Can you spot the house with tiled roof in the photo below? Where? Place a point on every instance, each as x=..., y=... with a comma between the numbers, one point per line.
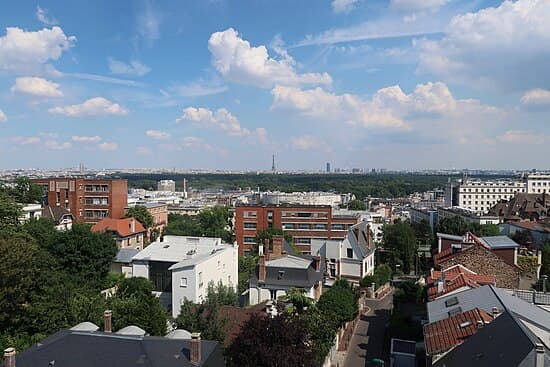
x=127, y=232
x=455, y=279
x=443, y=335
x=523, y=206
x=61, y=217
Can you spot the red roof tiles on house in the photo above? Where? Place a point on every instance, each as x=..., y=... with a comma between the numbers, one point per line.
x=122, y=226
x=443, y=335
x=455, y=277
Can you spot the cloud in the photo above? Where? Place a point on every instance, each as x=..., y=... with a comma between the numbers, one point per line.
x=107, y=146
x=320, y=104
x=26, y=140
x=343, y=6
x=523, y=137
x=198, y=89
x=55, y=145
x=104, y=79
x=192, y=142
x=3, y=117
x=536, y=98
x=415, y=5
x=236, y=60
x=133, y=68
x=37, y=87
x=22, y=50
x=86, y=139
x=504, y=46
x=261, y=134
x=221, y=119
x=42, y=15
x=143, y=151
x=156, y=134
x=148, y=22
x=97, y=106
x=387, y=27
x=304, y=142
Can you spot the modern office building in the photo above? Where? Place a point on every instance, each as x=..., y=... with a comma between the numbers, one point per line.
x=88, y=200
x=303, y=222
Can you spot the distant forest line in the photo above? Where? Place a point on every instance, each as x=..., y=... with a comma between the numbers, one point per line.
x=377, y=185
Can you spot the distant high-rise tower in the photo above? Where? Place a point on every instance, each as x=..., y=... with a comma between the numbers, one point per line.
x=273, y=163
x=328, y=167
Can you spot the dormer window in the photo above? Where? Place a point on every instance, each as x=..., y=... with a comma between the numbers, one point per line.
x=349, y=253
x=281, y=274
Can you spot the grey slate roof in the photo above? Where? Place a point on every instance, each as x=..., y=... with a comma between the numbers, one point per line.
x=505, y=342
x=55, y=213
x=97, y=349
x=498, y=242
x=125, y=255
x=283, y=276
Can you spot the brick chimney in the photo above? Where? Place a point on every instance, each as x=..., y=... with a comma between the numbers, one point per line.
x=9, y=357
x=369, y=237
x=195, y=348
x=278, y=246
x=132, y=225
x=107, y=321
x=318, y=261
x=261, y=264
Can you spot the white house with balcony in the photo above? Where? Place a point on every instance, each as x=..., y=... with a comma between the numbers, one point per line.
x=181, y=267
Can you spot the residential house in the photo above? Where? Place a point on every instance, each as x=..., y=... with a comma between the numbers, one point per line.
x=122, y=263
x=182, y=267
x=159, y=212
x=30, y=211
x=518, y=335
x=455, y=279
x=127, y=232
x=538, y=231
x=351, y=258
x=63, y=219
x=522, y=206
x=279, y=271
x=85, y=346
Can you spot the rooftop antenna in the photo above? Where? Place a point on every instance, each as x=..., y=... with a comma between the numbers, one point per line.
x=273, y=163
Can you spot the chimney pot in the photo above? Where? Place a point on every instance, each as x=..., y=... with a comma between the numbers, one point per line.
x=540, y=353
x=495, y=312
x=196, y=348
x=107, y=321
x=318, y=261
x=9, y=357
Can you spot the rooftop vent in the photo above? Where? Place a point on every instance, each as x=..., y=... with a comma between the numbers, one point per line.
x=465, y=324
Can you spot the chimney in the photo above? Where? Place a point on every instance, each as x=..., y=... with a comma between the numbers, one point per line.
x=369, y=237
x=318, y=261
x=132, y=225
x=196, y=348
x=107, y=321
x=261, y=264
x=539, y=358
x=9, y=357
x=278, y=246
x=495, y=312
x=480, y=324
x=266, y=248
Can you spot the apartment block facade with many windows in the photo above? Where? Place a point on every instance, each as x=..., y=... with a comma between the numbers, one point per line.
x=303, y=222
x=88, y=200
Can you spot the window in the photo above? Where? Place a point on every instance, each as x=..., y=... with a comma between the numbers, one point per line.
x=303, y=241
x=451, y=302
x=288, y=225
x=304, y=215
x=320, y=226
x=249, y=225
x=349, y=253
x=304, y=226
x=160, y=276
x=200, y=280
x=250, y=240
x=269, y=215
x=183, y=282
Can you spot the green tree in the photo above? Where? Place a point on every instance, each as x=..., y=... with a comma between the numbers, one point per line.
x=297, y=297
x=135, y=304
x=216, y=222
x=488, y=230
x=221, y=295
x=321, y=328
x=247, y=265
x=182, y=225
x=453, y=225
x=205, y=318
x=545, y=269
x=400, y=240
x=26, y=192
x=10, y=212
x=423, y=232
x=340, y=302
x=141, y=214
x=357, y=205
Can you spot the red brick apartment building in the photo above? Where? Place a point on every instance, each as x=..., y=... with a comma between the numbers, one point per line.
x=303, y=222
x=89, y=200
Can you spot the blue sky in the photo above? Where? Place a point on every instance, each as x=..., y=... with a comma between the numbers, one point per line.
x=222, y=84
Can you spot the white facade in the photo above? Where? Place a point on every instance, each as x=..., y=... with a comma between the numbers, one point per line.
x=31, y=211
x=537, y=183
x=305, y=198
x=480, y=196
x=190, y=264
x=166, y=185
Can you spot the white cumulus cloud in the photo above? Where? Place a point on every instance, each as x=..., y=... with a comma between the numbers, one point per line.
x=504, y=46
x=3, y=117
x=343, y=6
x=221, y=119
x=37, y=87
x=536, y=97
x=86, y=139
x=414, y=5
x=236, y=60
x=304, y=142
x=25, y=140
x=523, y=137
x=97, y=106
x=22, y=50
x=56, y=145
x=105, y=146
x=133, y=68
x=156, y=134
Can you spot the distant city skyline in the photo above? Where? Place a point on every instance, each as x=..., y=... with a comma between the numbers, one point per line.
x=225, y=85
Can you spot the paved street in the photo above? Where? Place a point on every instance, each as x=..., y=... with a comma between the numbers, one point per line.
x=368, y=340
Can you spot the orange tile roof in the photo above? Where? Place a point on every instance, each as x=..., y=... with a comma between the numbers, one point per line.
x=458, y=282
x=121, y=226
x=443, y=335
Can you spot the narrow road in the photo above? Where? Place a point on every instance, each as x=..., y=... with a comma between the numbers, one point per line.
x=368, y=340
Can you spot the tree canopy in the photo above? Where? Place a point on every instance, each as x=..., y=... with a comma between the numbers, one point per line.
x=211, y=222
x=400, y=240
x=357, y=205
x=141, y=214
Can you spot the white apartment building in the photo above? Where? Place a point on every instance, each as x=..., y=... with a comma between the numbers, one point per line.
x=181, y=268
x=166, y=185
x=480, y=196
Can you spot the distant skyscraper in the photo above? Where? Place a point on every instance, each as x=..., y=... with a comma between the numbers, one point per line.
x=328, y=167
x=273, y=163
